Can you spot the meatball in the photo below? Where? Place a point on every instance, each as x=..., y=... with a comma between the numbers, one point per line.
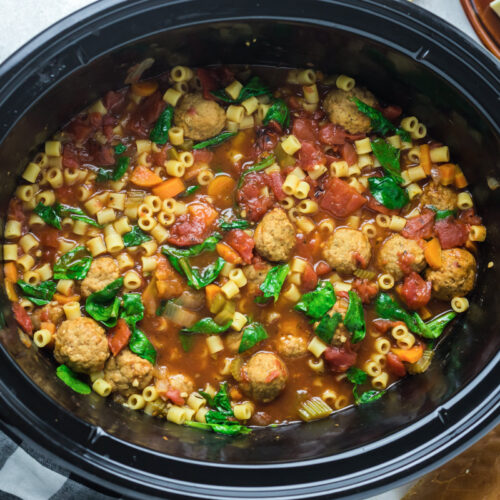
x=181, y=383
x=198, y=117
x=440, y=197
x=263, y=377
x=346, y=250
x=102, y=272
x=52, y=312
x=256, y=274
x=81, y=344
x=128, y=373
x=399, y=256
x=275, y=236
x=292, y=346
x=455, y=277
x=342, y=111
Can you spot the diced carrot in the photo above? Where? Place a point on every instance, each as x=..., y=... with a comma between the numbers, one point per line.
x=432, y=253
x=221, y=186
x=143, y=177
x=210, y=292
x=48, y=325
x=460, y=180
x=228, y=254
x=169, y=189
x=10, y=290
x=144, y=89
x=425, y=158
x=409, y=355
x=235, y=394
x=447, y=174
x=424, y=313
x=64, y=299
x=10, y=271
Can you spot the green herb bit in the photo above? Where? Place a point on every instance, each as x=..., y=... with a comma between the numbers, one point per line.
x=252, y=335
x=38, y=294
x=388, y=156
x=140, y=345
x=442, y=214
x=48, y=214
x=356, y=376
x=207, y=326
x=215, y=141
x=73, y=265
x=327, y=326
x=195, y=278
x=279, y=113
x=263, y=164
x=434, y=328
x=388, y=192
x=135, y=237
x=359, y=377
x=68, y=376
x=117, y=173
x=254, y=88
x=271, y=287
x=159, y=133
x=354, y=319
x=104, y=305
x=189, y=191
x=317, y=303
x=234, y=224
x=226, y=429
x=132, y=308
x=120, y=148
x=207, y=245
x=75, y=214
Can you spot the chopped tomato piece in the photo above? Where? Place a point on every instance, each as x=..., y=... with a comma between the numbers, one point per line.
x=374, y=205
x=251, y=199
x=322, y=268
x=310, y=155
x=305, y=129
x=341, y=199
x=118, y=336
x=451, y=233
x=66, y=194
x=15, y=210
x=469, y=217
x=395, y=365
x=193, y=227
x=242, y=243
x=207, y=81
x=275, y=181
x=331, y=134
x=22, y=318
x=366, y=289
x=175, y=396
x=340, y=359
x=203, y=155
x=420, y=226
x=102, y=155
x=416, y=292
x=349, y=153
x=309, y=278
x=70, y=156
x=114, y=100
x=383, y=325
x=392, y=112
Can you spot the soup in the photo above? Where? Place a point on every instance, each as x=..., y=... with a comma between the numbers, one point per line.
x=228, y=247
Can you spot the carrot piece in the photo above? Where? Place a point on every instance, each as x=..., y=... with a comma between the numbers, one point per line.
x=432, y=253
x=144, y=89
x=143, y=177
x=409, y=355
x=64, y=299
x=424, y=313
x=228, y=254
x=48, y=325
x=221, y=186
x=235, y=394
x=10, y=290
x=169, y=189
x=10, y=271
x=460, y=180
x=210, y=292
x=425, y=158
x=447, y=174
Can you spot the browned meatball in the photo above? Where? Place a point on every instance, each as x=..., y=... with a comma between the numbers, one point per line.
x=455, y=277
x=263, y=377
x=275, y=236
x=128, y=373
x=52, y=312
x=102, y=272
x=440, y=197
x=347, y=249
x=292, y=346
x=398, y=254
x=198, y=117
x=181, y=383
x=256, y=274
x=342, y=111
x=81, y=344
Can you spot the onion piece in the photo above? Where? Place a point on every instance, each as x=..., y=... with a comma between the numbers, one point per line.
x=179, y=315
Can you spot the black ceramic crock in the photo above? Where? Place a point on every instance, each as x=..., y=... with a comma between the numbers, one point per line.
x=404, y=55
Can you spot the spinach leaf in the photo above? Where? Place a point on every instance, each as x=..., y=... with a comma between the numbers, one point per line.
x=140, y=345
x=120, y=148
x=234, y=224
x=359, y=377
x=278, y=112
x=434, y=328
x=327, y=326
x=48, y=214
x=132, y=308
x=186, y=341
x=104, y=305
x=388, y=308
x=354, y=319
x=226, y=429
x=221, y=401
x=255, y=87
x=208, y=244
x=189, y=191
x=387, y=192
x=75, y=214
x=379, y=123
x=263, y=164
x=442, y=214
x=73, y=265
x=388, y=156
x=271, y=287
x=252, y=335
x=38, y=294
x=317, y=303
x=117, y=173
x=215, y=141
x=159, y=133
x=207, y=326
x=68, y=376
x=135, y=237
x=356, y=376
x=195, y=278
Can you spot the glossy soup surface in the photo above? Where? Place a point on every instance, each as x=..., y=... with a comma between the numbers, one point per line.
x=333, y=231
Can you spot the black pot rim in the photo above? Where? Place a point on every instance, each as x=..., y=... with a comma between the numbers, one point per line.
x=453, y=426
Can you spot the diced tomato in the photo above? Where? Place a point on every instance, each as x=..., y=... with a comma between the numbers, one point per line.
x=275, y=182
x=118, y=336
x=266, y=139
x=49, y=237
x=242, y=243
x=208, y=83
x=146, y=114
x=160, y=157
x=22, y=318
x=167, y=282
x=420, y=226
x=392, y=112
x=309, y=278
x=202, y=155
x=383, y=325
x=193, y=227
x=416, y=292
x=331, y=134
x=80, y=129
x=251, y=199
x=395, y=365
x=95, y=119
x=66, y=194
x=15, y=210
x=451, y=233
x=305, y=129
x=114, y=100
x=175, y=396
x=366, y=289
x=102, y=155
x=341, y=199
x=349, y=153
x=293, y=103
x=469, y=217
x=310, y=155
x=340, y=359
x=322, y=268
x=108, y=124
x=70, y=156
x=374, y=205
